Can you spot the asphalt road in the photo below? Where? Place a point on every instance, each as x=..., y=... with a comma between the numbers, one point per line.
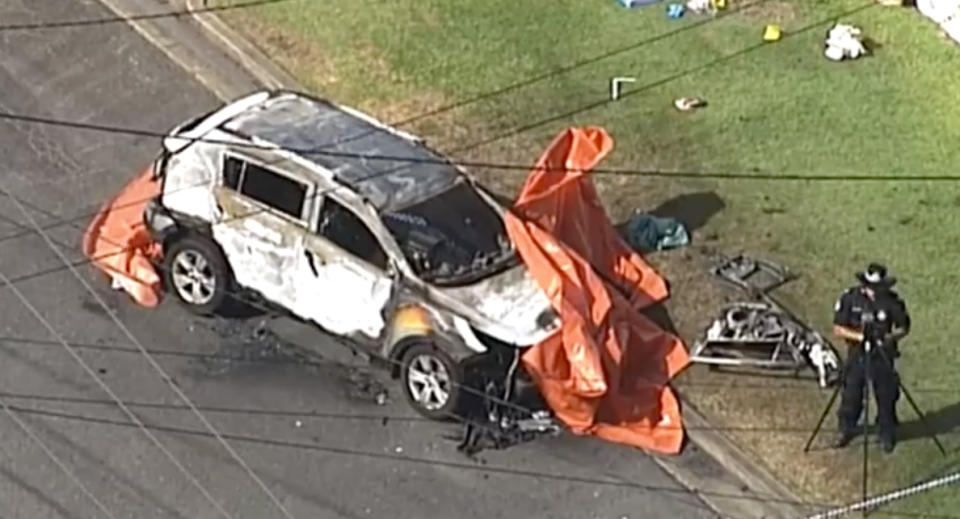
x=308, y=425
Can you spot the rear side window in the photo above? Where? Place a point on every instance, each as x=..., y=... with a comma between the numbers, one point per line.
x=265, y=186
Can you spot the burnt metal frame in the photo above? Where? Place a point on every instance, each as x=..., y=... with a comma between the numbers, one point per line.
x=743, y=268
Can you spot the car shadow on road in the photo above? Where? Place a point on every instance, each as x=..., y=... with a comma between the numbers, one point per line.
x=235, y=308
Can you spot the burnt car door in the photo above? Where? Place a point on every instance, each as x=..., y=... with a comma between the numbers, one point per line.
x=263, y=213
x=343, y=279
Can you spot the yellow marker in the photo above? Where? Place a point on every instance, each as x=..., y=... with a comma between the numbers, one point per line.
x=719, y=4
x=771, y=33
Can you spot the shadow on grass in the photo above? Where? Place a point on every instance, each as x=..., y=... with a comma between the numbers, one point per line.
x=693, y=210
x=941, y=421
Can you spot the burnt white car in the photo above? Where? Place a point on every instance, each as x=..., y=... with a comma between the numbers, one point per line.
x=342, y=221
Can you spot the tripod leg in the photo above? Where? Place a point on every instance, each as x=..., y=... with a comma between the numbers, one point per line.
x=866, y=430
x=923, y=418
x=823, y=416
x=916, y=409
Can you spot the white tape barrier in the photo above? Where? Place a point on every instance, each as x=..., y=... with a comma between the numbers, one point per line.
x=887, y=498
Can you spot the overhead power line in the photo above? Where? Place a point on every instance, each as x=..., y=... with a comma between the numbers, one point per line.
x=320, y=151
x=782, y=384
x=60, y=463
x=565, y=69
x=629, y=92
x=156, y=366
x=484, y=468
x=322, y=415
x=136, y=421
x=36, y=26
x=466, y=388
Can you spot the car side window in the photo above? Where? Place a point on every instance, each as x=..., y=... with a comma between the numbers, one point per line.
x=265, y=186
x=339, y=225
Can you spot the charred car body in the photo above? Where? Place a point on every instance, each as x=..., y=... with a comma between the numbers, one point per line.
x=342, y=221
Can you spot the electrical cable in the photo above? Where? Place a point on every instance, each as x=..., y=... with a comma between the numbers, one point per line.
x=163, y=374
x=326, y=415
x=134, y=18
x=258, y=211
x=649, y=86
x=62, y=465
x=482, y=468
x=657, y=173
x=106, y=388
x=425, y=115
x=248, y=302
x=563, y=69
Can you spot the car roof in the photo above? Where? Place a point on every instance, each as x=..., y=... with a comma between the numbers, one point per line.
x=341, y=140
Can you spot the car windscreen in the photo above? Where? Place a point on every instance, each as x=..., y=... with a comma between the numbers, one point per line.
x=453, y=237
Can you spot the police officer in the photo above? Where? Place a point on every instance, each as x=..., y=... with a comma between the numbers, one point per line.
x=871, y=318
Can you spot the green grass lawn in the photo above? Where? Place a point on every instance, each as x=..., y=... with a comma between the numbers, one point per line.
x=778, y=108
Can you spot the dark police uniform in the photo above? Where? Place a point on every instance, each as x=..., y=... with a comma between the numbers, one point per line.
x=887, y=310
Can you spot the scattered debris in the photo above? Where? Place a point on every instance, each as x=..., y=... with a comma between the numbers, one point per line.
x=298, y=424
x=248, y=342
x=758, y=334
x=365, y=385
x=615, y=85
x=685, y=104
x=844, y=41
x=762, y=333
x=398, y=450
x=636, y=3
x=648, y=233
x=772, y=33
x=505, y=416
x=675, y=10
x=702, y=6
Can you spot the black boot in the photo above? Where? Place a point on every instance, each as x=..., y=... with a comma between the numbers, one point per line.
x=887, y=444
x=843, y=439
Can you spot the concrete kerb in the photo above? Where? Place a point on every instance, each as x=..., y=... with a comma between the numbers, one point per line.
x=757, y=479
x=759, y=486
x=252, y=58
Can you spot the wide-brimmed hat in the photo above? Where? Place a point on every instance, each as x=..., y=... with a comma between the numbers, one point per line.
x=876, y=276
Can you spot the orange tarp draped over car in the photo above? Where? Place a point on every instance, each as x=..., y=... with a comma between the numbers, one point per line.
x=606, y=371
x=118, y=243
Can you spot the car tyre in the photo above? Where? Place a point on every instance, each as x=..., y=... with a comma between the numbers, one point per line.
x=432, y=381
x=197, y=273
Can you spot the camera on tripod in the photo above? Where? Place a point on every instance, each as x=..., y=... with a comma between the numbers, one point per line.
x=876, y=327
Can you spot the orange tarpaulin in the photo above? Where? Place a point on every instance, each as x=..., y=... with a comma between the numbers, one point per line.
x=605, y=372
x=118, y=243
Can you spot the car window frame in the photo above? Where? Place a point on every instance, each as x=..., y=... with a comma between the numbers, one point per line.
x=309, y=195
x=388, y=270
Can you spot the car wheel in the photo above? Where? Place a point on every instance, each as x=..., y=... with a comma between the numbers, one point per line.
x=432, y=381
x=197, y=273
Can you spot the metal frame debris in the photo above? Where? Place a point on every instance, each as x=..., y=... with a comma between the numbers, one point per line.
x=762, y=333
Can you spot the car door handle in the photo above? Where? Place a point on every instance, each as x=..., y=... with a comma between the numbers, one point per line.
x=310, y=261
